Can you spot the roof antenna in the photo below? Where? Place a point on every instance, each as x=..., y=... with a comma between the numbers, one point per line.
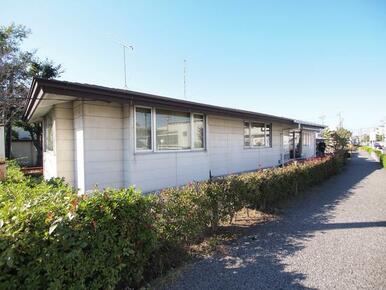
x=124, y=46
x=340, y=124
x=322, y=118
x=185, y=79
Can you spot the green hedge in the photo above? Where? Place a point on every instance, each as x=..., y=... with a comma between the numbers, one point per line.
x=52, y=238
x=382, y=159
x=381, y=156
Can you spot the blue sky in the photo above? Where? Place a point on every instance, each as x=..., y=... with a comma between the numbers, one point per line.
x=300, y=59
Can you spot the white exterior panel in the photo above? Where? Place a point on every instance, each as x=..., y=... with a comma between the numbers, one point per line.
x=60, y=161
x=95, y=146
x=103, y=144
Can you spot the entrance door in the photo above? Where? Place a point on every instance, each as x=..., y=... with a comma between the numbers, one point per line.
x=295, y=144
x=285, y=146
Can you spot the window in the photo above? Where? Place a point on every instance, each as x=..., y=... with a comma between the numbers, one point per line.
x=143, y=129
x=172, y=130
x=257, y=134
x=268, y=135
x=307, y=139
x=198, y=131
x=246, y=135
x=48, y=133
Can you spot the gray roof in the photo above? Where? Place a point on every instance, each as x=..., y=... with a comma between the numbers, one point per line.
x=101, y=93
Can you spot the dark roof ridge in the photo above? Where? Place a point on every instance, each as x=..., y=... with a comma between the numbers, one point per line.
x=83, y=90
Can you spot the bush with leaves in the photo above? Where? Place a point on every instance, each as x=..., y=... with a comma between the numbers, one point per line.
x=380, y=155
x=50, y=237
x=383, y=160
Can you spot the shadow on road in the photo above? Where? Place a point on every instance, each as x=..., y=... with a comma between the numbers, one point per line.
x=255, y=261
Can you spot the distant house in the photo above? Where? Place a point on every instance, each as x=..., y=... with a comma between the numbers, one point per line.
x=23, y=149
x=108, y=137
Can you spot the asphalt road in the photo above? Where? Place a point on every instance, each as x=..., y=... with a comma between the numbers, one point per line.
x=335, y=238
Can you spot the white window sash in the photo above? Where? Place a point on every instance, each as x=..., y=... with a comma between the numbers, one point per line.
x=265, y=135
x=153, y=130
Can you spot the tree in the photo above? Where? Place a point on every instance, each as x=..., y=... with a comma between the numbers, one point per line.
x=336, y=140
x=14, y=65
x=340, y=139
x=17, y=68
x=43, y=69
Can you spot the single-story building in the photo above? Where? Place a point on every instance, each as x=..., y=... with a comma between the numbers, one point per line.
x=105, y=137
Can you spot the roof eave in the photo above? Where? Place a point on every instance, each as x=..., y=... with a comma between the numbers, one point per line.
x=115, y=95
x=85, y=91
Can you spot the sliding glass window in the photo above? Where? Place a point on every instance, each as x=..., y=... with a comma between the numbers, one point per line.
x=268, y=135
x=198, y=131
x=257, y=134
x=48, y=133
x=173, y=130
x=143, y=128
x=247, y=134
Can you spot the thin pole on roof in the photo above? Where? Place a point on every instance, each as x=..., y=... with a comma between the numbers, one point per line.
x=340, y=124
x=185, y=79
x=124, y=64
x=124, y=46
x=322, y=118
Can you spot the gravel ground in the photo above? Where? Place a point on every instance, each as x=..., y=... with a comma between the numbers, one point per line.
x=335, y=238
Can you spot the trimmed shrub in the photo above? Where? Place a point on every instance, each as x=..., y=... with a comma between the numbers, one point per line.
x=52, y=238
x=382, y=159
x=381, y=156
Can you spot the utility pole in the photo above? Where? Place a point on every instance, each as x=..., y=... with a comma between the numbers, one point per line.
x=322, y=118
x=340, y=124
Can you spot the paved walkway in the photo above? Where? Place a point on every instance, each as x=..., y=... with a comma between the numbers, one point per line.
x=333, y=239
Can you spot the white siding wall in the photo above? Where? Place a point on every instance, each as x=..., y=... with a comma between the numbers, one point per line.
x=78, y=123
x=94, y=145
x=309, y=151
x=127, y=135
x=226, y=147
x=103, y=144
x=60, y=161
x=152, y=171
x=225, y=154
x=64, y=137
x=49, y=157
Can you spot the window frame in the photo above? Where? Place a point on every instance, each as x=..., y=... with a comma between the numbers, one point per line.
x=155, y=132
x=306, y=139
x=153, y=129
x=250, y=135
x=45, y=127
x=192, y=138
